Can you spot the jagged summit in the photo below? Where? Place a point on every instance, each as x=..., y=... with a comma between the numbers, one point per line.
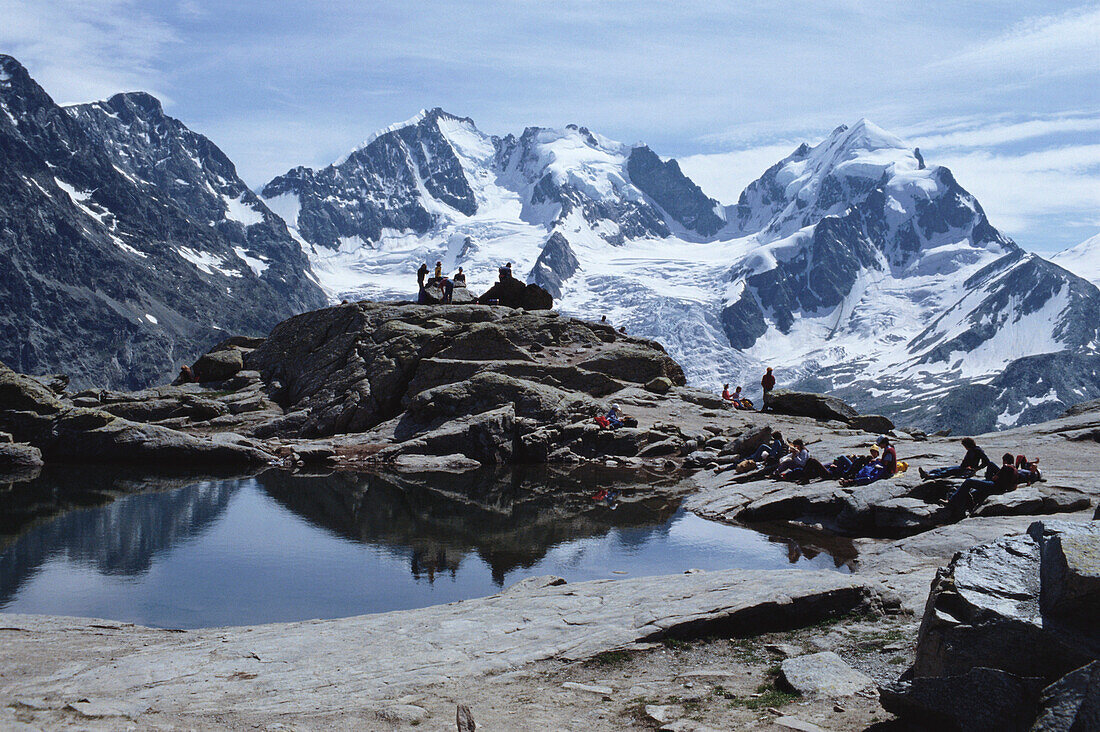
x=114, y=267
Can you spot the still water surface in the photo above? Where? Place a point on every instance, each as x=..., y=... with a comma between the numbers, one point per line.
x=187, y=553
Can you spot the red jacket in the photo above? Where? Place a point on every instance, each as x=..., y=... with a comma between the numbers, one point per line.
x=768, y=382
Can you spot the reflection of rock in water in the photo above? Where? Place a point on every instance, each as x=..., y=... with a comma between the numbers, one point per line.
x=806, y=543
x=119, y=538
x=508, y=518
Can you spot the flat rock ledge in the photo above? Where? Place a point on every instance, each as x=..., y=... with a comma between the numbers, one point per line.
x=296, y=668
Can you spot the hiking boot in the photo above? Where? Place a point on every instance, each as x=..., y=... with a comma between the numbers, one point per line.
x=923, y=473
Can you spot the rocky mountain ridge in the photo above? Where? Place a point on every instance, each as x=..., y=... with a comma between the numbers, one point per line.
x=105, y=275
x=852, y=266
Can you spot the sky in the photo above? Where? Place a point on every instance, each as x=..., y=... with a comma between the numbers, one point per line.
x=1006, y=93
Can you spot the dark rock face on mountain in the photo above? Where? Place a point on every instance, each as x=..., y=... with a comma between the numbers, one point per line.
x=820, y=276
x=674, y=192
x=198, y=177
x=556, y=264
x=105, y=277
x=380, y=186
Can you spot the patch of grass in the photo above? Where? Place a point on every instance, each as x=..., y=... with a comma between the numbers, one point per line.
x=610, y=658
x=749, y=650
x=675, y=644
x=767, y=695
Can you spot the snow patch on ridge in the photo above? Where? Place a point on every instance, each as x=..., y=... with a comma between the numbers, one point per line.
x=206, y=262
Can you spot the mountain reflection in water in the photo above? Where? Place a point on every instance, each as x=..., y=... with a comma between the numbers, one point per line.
x=193, y=552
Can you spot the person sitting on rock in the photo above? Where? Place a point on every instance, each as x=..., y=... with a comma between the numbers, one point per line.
x=734, y=398
x=974, y=491
x=438, y=271
x=974, y=460
x=883, y=467
x=186, y=376
x=848, y=466
x=505, y=272
x=615, y=417
x=421, y=275
x=771, y=452
x=460, y=278
x=795, y=460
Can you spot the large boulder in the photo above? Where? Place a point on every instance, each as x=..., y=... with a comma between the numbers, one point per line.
x=635, y=362
x=1023, y=609
x=510, y=292
x=823, y=675
x=979, y=700
x=219, y=365
x=1070, y=569
x=873, y=423
x=1071, y=704
x=807, y=404
x=17, y=459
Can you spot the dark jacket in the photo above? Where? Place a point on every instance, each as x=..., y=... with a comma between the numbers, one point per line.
x=976, y=460
x=1005, y=480
x=768, y=382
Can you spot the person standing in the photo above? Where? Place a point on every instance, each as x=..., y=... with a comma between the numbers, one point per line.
x=448, y=290
x=767, y=383
x=438, y=271
x=421, y=274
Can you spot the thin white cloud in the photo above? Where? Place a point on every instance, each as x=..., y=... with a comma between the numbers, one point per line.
x=985, y=135
x=83, y=50
x=1043, y=46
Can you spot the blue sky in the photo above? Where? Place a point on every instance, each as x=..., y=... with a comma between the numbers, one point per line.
x=1007, y=94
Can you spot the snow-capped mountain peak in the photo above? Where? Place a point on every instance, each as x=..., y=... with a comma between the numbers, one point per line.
x=1083, y=259
x=850, y=262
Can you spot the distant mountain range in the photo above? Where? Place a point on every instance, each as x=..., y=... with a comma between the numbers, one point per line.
x=849, y=266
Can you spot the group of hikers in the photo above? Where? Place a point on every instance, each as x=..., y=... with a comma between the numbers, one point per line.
x=740, y=400
x=791, y=461
x=445, y=284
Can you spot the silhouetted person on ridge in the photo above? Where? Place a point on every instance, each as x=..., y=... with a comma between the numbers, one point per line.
x=460, y=277
x=421, y=274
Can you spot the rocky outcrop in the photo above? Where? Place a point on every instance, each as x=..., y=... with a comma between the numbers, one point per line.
x=1003, y=620
x=806, y=404
x=67, y=433
x=510, y=292
x=489, y=383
